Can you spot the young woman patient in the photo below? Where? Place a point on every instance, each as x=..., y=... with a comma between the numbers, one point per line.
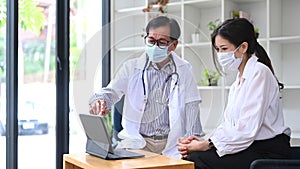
x=253, y=125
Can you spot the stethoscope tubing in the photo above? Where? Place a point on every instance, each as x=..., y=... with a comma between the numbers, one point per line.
x=166, y=80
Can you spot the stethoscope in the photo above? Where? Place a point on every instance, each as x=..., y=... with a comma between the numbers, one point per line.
x=166, y=80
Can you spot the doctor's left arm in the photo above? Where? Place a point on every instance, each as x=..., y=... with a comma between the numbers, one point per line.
x=192, y=102
x=192, y=119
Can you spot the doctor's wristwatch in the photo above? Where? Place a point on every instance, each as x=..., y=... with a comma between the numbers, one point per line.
x=211, y=144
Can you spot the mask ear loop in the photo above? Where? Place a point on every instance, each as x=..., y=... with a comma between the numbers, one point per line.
x=236, y=50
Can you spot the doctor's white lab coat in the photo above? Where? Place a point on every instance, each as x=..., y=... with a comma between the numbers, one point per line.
x=129, y=82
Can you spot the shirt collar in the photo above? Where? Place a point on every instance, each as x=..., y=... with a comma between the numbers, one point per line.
x=248, y=70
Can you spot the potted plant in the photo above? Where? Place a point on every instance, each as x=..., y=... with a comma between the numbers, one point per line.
x=162, y=6
x=212, y=25
x=210, y=78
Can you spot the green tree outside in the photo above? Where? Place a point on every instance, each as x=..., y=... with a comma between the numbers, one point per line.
x=31, y=18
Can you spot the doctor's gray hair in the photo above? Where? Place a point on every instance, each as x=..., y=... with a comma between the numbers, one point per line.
x=163, y=21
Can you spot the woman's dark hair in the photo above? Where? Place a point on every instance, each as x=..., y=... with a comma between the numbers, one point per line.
x=240, y=30
x=163, y=21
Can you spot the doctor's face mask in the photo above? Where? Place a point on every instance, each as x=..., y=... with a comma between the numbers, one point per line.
x=158, y=43
x=157, y=54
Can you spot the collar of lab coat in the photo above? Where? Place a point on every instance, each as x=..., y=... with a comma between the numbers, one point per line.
x=248, y=70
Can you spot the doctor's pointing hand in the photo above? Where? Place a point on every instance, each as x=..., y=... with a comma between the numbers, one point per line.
x=98, y=107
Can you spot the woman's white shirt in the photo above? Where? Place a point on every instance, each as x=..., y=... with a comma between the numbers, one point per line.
x=253, y=111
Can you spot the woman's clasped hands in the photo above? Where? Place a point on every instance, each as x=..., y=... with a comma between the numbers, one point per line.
x=187, y=145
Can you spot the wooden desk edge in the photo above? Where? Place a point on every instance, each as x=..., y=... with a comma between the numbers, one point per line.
x=83, y=161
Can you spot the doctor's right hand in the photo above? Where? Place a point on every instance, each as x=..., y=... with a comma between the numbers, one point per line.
x=99, y=107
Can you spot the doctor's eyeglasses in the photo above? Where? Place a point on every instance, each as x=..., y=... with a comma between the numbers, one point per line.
x=161, y=43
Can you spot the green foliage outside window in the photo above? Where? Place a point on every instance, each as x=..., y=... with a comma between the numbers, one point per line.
x=34, y=56
x=31, y=18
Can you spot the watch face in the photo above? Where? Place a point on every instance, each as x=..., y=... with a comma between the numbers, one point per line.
x=210, y=143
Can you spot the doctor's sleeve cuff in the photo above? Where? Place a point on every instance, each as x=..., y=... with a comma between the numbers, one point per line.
x=97, y=96
x=94, y=98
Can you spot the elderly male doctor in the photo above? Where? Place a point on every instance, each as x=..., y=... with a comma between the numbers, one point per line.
x=161, y=97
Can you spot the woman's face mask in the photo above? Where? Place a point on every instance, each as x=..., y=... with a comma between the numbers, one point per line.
x=228, y=61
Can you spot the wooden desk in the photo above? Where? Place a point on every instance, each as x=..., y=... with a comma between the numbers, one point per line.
x=151, y=160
